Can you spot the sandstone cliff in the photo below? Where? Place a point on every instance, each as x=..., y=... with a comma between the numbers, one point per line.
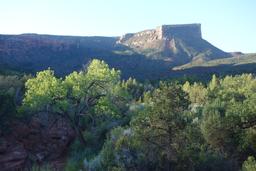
x=176, y=43
x=44, y=138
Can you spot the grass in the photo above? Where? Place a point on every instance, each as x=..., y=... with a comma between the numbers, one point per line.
x=237, y=60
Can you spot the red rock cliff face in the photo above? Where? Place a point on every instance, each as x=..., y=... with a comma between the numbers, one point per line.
x=13, y=155
x=179, y=44
x=43, y=139
x=180, y=30
x=153, y=38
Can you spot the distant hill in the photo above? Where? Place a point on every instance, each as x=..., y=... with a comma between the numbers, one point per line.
x=31, y=53
x=241, y=59
x=148, y=54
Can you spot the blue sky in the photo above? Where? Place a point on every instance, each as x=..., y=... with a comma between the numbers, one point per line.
x=228, y=24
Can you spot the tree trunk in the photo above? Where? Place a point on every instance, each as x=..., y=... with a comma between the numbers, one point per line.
x=80, y=135
x=75, y=126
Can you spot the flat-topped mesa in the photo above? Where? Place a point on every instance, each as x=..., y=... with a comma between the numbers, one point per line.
x=178, y=43
x=164, y=32
x=179, y=30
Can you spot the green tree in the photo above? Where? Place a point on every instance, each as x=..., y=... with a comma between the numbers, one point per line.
x=214, y=83
x=197, y=92
x=7, y=111
x=229, y=115
x=45, y=92
x=11, y=92
x=249, y=164
x=134, y=88
x=75, y=96
x=160, y=126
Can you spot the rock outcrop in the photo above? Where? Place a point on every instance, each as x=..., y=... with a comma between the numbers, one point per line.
x=180, y=30
x=176, y=43
x=165, y=32
x=44, y=139
x=13, y=155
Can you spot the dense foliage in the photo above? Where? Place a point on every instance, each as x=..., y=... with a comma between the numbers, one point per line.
x=128, y=125
x=11, y=93
x=187, y=127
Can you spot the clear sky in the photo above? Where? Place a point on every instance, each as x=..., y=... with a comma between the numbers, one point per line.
x=227, y=24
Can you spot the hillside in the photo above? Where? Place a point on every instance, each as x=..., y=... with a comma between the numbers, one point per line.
x=243, y=59
x=148, y=54
x=31, y=53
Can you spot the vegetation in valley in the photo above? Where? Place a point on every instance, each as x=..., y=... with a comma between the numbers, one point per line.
x=131, y=125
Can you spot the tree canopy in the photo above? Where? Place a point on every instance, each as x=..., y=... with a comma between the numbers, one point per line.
x=74, y=96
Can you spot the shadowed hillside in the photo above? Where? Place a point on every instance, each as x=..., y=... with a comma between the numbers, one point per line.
x=241, y=59
x=148, y=54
